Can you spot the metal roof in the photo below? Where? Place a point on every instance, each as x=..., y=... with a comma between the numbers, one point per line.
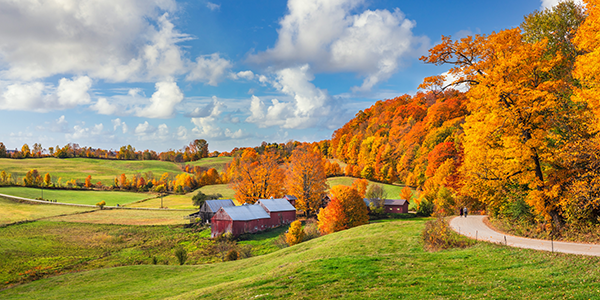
x=275, y=205
x=290, y=197
x=246, y=212
x=214, y=205
x=395, y=201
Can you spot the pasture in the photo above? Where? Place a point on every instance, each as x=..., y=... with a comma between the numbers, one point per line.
x=127, y=217
x=212, y=162
x=112, y=198
x=102, y=170
x=377, y=261
x=13, y=211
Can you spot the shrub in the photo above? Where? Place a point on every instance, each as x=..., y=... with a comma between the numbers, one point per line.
x=181, y=255
x=437, y=235
x=425, y=208
x=295, y=234
x=232, y=255
x=101, y=204
x=311, y=230
x=244, y=251
x=154, y=260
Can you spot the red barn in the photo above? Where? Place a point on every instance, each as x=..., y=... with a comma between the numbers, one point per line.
x=291, y=199
x=396, y=206
x=239, y=220
x=280, y=210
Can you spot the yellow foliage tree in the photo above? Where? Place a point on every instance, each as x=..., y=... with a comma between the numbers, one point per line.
x=295, y=234
x=257, y=176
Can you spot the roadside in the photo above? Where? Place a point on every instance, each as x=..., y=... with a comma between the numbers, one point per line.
x=475, y=228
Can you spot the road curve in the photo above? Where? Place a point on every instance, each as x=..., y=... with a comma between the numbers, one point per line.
x=474, y=227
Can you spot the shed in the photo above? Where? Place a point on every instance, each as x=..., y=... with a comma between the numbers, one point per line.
x=210, y=207
x=396, y=206
x=239, y=219
x=291, y=199
x=280, y=211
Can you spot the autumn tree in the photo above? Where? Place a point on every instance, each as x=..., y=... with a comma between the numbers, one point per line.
x=306, y=179
x=587, y=41
x=257, y=176
x=295, y=234
x=2, y=150
x=376, y=195
x=346, y=210
x=88, y=182
x=360, y=185
x=25, y=151
x=32, y=178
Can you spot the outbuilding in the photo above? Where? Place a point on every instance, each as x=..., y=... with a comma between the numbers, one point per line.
x=239, y=220
x=291, y=199
x=280, y=211
x=210, y=207
x=396, y=206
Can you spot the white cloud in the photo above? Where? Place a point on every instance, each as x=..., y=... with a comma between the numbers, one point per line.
x=81, y=132
x=213, y=6
x=118, y=123
x=330, y=38
x=209, y=68
x=103, y=107
x=248, y=75
x=309, y=106
x=41, y=97
x=212, y=108
x=144, y=129
x=206, y=126
x=24, y=96
x=163, y=101
x=73, y=92
x=551, y=3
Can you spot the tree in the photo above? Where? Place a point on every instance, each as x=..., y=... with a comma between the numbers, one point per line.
x=32, y=178
x=346, y=210
x=2, y=150
x=587, y=41
x=199, y=149
x=295, y=234
x=306, y=179
x=257, y=176
x=47, y=179
x=360, y=185
x=25, y=151
x=376, y=195
x=88, y=182
x=123, y=181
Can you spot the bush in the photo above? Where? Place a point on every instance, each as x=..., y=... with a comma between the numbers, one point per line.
x=244, y=251
x=181, y=255
x=437, y=235
x=295, y=234
x=232, y=255
x=101, y=204
x=311, y=230
x=425, y=208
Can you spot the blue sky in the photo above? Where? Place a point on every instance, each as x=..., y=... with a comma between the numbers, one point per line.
x=158, y=74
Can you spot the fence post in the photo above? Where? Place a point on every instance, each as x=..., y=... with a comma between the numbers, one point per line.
x=552, y=241
x=476, y=235
x=505, y=242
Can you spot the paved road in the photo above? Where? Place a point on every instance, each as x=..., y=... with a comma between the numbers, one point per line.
x=473, y=227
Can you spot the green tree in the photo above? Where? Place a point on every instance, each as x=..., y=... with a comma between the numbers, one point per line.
x=2, y=150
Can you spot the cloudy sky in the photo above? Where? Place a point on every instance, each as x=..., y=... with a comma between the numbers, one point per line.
x=157, y=74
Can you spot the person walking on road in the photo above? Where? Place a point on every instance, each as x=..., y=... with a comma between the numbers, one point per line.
x=465, y=211
x=461, y=212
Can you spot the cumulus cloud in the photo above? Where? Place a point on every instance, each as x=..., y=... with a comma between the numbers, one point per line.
x=551, y=3
x=248, y=75
x=118, y=123
x=212, y=108
x=103, y=107
x=206, y=125
x=326, y=35
x=213, y=6
x=163, y=101
x=42, y=97
x=209, y=68
x=310, y=105
x=144, y=129
x=81, y=132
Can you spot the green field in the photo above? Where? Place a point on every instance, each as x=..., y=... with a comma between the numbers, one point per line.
x=77, y=197
x=127, y=217
x=213, y=162
x=378, y=261
x=393, y=191
x=79, y=168
x=12, y=211
x=169, y=201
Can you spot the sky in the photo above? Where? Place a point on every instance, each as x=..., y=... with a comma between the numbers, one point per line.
x=157, y=74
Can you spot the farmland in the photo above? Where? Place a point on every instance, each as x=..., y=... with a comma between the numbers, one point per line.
x=14, y=212
x=381, y=260
x=212, y=162
x=111, y=198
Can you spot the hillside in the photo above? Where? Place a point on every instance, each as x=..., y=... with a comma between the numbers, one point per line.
x=382, y=260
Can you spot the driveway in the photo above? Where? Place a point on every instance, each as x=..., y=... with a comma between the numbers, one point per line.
x=474, y=227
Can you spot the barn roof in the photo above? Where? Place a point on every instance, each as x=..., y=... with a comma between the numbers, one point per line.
x=395, y=201
x=275, y=205
x=214, y=205
x=246, y=212
x=290, y=197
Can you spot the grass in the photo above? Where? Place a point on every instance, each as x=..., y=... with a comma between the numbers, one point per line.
x=79, y=168
x=393, y=191
x=13, y=211
x=383, y=260
x=213, y=162
x=127, y=217
x=76, y=196
x=224, y=189
x=170, y=201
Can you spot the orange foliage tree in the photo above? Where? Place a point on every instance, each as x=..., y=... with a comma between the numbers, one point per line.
x=306, y=179
x=257, y=176
x=346, y=210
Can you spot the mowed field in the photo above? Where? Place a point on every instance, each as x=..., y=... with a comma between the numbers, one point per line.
x=12, y=211
x=79, y=168
x=213, y=162
x=112, y=198
x=128, y=217
x=185, y=201
x=377, y=261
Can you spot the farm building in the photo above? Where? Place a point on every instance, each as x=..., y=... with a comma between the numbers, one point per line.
x=392, y=206
x=210, y=207
x=239, y=219
x=291, y=199
x=281, y=211
x=396, y=206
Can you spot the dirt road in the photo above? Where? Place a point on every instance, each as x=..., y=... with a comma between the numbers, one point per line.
x=474, y=227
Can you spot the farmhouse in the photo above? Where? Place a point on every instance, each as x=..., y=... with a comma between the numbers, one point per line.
x=210, y=207
x=280, y=211
x=239, y=219
x=392, y=206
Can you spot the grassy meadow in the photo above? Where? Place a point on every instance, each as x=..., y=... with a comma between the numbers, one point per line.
x=127, y=217
x=393, y=191
x=13, y=211
x=79, y=168
x=381, y=260
x=213, y=162
x=111, y=198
